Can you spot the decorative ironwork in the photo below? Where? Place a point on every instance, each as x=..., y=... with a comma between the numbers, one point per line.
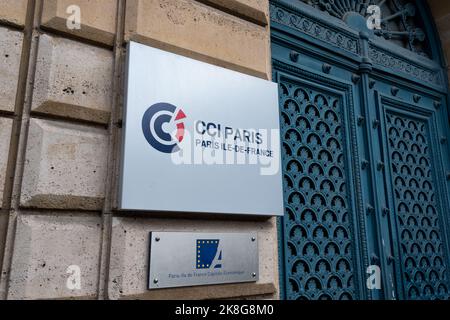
x=318, y=218
x=314, y=28
x=419, y=227
x=288, y=15
x=398, y=22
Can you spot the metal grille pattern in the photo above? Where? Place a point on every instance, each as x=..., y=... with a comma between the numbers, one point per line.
x=422, y=258
x=317, y=222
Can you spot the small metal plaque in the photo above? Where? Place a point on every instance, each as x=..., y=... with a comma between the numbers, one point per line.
x=180, y=259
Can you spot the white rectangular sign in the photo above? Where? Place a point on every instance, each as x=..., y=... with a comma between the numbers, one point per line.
x=199, y=138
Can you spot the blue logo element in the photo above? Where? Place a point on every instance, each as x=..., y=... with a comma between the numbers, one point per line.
x=152, y=126
x=208, y=255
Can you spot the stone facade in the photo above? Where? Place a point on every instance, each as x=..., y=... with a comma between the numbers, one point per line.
x=60, y=138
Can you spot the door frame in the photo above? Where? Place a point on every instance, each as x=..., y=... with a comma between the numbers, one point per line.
x=287, y=17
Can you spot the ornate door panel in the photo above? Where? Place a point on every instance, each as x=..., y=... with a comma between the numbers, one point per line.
x=365, y=152
x=319, y=232
x=412, y=139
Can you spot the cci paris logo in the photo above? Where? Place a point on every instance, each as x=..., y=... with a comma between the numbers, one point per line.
x=156, y=123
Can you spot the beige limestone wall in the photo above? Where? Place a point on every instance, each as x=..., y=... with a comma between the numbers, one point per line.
x=60, y=142
x=13, y=12
x=197, y=30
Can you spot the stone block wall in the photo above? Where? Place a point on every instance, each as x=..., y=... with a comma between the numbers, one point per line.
x=61, y=95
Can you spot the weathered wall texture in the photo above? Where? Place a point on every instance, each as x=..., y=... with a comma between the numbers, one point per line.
x=60, y=111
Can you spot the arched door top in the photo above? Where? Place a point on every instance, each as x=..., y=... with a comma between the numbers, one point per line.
x=403, y=45
x=397, y=21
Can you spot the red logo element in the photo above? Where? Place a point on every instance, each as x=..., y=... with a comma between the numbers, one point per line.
x=180, y=126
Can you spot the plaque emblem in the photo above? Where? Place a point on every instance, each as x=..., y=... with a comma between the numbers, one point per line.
x=209, y=254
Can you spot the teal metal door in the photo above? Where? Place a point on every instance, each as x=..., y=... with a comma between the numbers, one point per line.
x=365, y=131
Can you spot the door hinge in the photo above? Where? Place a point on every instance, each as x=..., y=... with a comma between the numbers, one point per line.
x=360, y=121
x=294, y=55
x=374, y=259
x=437, y=105
x=375, y=124
x=364, y=164
x=390, y=259
x=326, y=68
